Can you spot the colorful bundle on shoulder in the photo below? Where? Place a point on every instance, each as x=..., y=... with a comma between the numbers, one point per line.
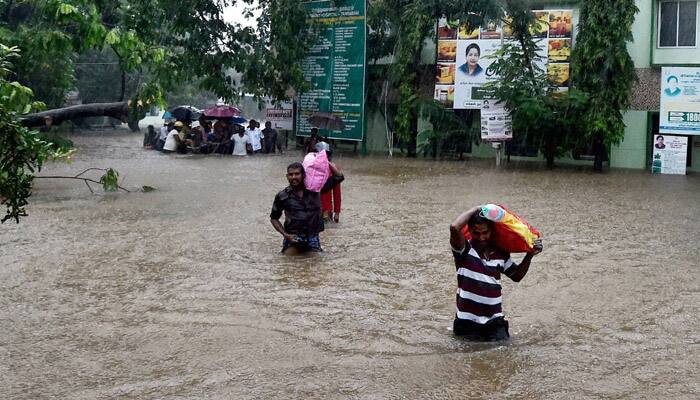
x=512, y=233
x=316, y=170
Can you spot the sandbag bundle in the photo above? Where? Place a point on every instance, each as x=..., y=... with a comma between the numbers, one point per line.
x=511, y=232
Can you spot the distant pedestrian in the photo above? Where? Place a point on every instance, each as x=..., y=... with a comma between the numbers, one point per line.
x=310, y=143
x=173, y=142
x=255, y=136
x=330, y=199
x=163, y=135
x=270, y=135
x=150, y=137
x=240, y=142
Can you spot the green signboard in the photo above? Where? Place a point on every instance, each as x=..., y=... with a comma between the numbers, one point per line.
x=335, y=68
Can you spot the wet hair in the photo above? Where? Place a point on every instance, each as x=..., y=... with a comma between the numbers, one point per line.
x=473, y=46
x=297, y=165
x=477, y=219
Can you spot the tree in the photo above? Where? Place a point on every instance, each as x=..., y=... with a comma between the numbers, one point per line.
x=169, y=43
x=399, y=31
x=542, y=117
x=603, y=68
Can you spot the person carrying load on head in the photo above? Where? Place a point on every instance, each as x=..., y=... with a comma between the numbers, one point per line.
x=480, y=260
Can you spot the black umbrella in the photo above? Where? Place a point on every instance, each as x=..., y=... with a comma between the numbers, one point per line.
x=185, y=113
x=326, y=120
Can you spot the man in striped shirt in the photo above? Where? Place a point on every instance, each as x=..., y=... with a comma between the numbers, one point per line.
x=479, y=265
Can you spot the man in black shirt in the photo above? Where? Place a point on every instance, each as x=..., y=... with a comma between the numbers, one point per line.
x=302, y=211
x=270, y=139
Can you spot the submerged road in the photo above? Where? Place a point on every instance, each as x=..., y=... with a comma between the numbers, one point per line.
x=181, y=293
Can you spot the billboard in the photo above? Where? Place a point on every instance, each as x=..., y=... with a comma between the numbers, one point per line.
x=680, y=101
x=335, y=68
x=464, y=55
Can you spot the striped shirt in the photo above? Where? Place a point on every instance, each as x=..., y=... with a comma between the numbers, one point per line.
x=479, y=284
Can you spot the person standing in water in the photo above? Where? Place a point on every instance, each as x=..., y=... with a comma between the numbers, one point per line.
x=479, y=264
x=302, y=211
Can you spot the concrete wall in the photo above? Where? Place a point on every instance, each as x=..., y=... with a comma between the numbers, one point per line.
x=632, y=152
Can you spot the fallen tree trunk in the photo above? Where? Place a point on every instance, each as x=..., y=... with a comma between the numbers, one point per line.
x=118, y=110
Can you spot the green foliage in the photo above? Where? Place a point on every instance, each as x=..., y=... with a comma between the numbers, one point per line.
x=445, y=125
x=603, y=68
x=110, y=180
x=542, y=117
x=399, y=30
x=164, y=44
x=23, y=151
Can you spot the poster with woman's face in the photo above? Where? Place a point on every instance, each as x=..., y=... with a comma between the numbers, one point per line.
x=473, y=70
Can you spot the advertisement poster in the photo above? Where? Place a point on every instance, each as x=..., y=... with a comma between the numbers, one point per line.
x=335, y=68
x=680, y=101
x=669, y=155
x=464, y=55
x=280, y=117
x=496, y=122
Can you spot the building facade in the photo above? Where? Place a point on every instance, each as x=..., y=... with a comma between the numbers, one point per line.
x=665, y=34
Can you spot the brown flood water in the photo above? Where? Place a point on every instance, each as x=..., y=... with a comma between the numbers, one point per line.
x=181, y=293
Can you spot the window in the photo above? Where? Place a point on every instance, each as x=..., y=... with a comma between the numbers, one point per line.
x=677, y=23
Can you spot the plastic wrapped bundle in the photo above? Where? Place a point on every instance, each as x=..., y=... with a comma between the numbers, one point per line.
x=316, y=170
x=511, y=233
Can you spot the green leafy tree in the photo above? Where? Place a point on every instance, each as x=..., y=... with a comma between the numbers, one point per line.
x=603, y=68
x=399, y=32
x=542, y=117
x=166, y=43
x=23, y=150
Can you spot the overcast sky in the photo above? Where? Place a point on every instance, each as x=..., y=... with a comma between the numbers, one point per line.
x=235, y=14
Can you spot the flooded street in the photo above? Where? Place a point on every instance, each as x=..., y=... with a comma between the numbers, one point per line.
x=181, y=293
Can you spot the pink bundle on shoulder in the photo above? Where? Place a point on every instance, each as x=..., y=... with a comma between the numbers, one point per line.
x=316, y=170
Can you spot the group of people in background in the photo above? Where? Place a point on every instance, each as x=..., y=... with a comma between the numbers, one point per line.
x=219, y=136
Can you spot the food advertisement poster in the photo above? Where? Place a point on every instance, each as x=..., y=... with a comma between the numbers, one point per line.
x=669, y=155
x=680, y=101
x=464, y=55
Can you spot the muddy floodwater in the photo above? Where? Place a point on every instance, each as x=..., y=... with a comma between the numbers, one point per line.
x=181, y=293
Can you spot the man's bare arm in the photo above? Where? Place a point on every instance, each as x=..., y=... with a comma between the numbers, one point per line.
x=521, y=270
x=456, y=237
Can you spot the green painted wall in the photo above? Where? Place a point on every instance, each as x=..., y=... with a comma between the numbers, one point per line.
x=671, y=56
x=631, y=153
x=640, y=47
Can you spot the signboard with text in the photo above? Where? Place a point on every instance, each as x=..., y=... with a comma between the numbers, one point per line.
x=669, y=155
x=335, y=68
x=496, y=122
x=680, y=101
x=280, y=117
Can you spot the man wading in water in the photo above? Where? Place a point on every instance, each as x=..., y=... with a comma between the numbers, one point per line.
x=302, y=211
x=479, y=265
